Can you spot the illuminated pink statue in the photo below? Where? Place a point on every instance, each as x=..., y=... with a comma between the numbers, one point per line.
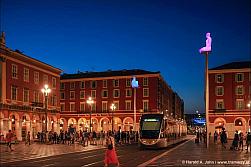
x=207, y=48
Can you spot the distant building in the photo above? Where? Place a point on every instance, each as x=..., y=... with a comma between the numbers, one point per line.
x=21, y=99
x=153, y=95
x=229, y=97
x=195, y=119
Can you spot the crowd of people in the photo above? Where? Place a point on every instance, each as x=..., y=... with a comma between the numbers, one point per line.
x=84, y=137
x=238, y=141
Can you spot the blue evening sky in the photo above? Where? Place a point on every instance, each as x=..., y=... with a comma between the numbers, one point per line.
x=155, y=35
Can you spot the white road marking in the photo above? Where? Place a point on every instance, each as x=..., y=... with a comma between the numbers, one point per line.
x=161, y=155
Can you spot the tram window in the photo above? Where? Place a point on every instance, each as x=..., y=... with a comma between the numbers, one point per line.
x=151, y=126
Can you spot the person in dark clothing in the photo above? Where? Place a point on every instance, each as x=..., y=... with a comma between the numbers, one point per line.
x=235, y=141
x=223, y=137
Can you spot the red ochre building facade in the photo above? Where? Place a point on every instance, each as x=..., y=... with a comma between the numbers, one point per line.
x=21, y=99
x=22, y=103
x=229, y=97
x=153, y=95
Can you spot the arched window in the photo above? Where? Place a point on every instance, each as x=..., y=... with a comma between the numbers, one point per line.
x=238, y=122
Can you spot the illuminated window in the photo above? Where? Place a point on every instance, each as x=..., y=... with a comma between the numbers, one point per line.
x=219, y=78
x=238, y=122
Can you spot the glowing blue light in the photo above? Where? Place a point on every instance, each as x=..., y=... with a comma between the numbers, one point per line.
x=135, y=83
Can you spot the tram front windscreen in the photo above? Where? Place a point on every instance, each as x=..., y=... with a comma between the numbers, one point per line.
x=150, y=127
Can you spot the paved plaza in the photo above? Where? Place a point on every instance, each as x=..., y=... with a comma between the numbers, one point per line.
x=185, y=154
x=192, y=154
x=36, y=150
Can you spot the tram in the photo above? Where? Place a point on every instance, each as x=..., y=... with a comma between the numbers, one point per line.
x=158, y=130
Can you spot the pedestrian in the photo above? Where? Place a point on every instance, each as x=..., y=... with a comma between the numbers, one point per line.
x=235, y=141
x=215, y=136
x=28, y=138
x=223, y=137
x=111, y=157
x=9, y=137
x=241, y=141
x=248, y=140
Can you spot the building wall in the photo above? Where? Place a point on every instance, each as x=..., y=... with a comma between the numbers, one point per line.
x=22, y=116
x=160, y=100
x=230, y=114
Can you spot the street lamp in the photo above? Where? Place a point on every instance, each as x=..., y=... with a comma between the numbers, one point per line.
x=90, y=102
x=135, y=85
x=248, y=105
x=46, y=90
x=206, y=50
x=113, y=107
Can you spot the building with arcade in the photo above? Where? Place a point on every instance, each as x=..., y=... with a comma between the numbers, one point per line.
x=113, y=88
x=22, y=104
x=229, y=97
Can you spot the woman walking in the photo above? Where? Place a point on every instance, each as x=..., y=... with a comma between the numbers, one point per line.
x=111, y=157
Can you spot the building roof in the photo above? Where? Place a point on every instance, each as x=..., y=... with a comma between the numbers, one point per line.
x=108, y=73
x=9, y=52
x=234, y=65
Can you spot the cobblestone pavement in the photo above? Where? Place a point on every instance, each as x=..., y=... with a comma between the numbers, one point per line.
x=192, y=154
x=36, y=150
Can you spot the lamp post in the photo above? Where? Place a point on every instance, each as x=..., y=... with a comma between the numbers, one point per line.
x=249, y=105
x=113, y=107
x=135, y=85
x=205, y=50
x=90, y=102
x=46, y=90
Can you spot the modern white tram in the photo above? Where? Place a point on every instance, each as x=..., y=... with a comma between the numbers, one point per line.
x=158, y=131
